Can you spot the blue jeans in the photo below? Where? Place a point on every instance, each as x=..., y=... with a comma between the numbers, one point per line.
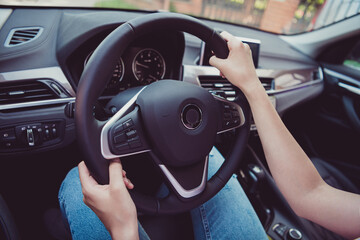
x=228, y=215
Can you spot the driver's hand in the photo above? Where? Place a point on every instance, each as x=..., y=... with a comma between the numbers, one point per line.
x=111, y=203
x=238, y=67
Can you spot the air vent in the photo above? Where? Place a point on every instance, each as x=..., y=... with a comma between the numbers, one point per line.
x=18, y=36
x=220, y=87
x=25, y=92
x=267, y=83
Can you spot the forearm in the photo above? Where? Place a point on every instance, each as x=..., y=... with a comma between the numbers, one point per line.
x=293, y=172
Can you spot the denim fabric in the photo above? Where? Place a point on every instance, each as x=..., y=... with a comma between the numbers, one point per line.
x=228, y=215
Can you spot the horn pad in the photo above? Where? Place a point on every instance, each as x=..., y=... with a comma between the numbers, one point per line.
x=180, y=121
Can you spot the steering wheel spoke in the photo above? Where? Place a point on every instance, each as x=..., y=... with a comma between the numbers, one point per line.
x=231, y=115
x=123, y=134
x=187, y=182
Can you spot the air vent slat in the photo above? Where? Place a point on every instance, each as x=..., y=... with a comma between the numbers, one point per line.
x=219, y=86
x=26, y=92
x=35, y=91
x=25, y=34
x=20, y=36
x=16, y=41
x=267, y=83
x=225, y=89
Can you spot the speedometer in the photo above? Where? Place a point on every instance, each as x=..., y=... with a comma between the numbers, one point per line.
x=148, y=66
x=117, y=74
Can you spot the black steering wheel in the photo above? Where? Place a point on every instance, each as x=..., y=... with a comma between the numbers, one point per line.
x=176, y=122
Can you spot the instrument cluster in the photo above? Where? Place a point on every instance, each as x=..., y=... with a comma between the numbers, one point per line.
x=138, y=66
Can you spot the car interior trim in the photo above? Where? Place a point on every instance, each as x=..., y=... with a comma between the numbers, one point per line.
x=342, y=77
x=349, y=88
x=104, y=142
x=4, y=15
x=54, y=73
x=202, y=53
x=180, y=190
x=289, y=99
x=191, y=75
x=36, y=103
x=299, y=86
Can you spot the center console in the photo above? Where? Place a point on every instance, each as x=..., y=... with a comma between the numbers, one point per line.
x=278, y=219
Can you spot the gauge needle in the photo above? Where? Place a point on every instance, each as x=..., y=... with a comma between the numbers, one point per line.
x=154, y=78
x=141, y=65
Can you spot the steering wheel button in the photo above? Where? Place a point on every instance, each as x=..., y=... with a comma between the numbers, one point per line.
x=119, y=128
x=131, y=134
x=135, y=144
x=128, y=123
x=122, y=147
x=120, y=138
x=227, y=115
x=235, y=114
x=135, y=139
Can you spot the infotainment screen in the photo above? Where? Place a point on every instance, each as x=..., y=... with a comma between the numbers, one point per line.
x=254, y=45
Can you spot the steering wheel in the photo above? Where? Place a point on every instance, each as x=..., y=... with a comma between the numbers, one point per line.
x=174, y=121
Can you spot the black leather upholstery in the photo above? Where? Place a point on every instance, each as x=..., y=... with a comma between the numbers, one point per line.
x=334, y=178
x=8, y=229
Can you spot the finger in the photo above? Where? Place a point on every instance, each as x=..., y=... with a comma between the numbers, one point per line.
x=87, y=181
x=128, y=183
x=115, y=173
x=124, y=173
x=226, y=36
x=216, y=62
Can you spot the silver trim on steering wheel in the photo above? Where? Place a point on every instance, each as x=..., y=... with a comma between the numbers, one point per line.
x=104, y=142
x=182, y=191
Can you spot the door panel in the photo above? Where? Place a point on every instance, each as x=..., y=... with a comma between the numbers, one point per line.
x=329, y=127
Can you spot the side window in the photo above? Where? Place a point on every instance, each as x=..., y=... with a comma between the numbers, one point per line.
x=353, y=59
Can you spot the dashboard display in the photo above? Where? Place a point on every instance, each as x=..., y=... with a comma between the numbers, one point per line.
x=148, y=66
x=117, y=74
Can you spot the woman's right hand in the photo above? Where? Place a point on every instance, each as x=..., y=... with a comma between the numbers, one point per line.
x=112, y=202
x=238, y=67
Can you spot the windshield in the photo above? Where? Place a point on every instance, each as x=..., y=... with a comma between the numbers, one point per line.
x=278, y=16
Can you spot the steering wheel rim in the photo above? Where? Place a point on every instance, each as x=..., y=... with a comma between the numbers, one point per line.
x=89, y=129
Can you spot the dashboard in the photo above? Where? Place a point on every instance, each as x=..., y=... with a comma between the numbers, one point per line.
x=39, y=77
